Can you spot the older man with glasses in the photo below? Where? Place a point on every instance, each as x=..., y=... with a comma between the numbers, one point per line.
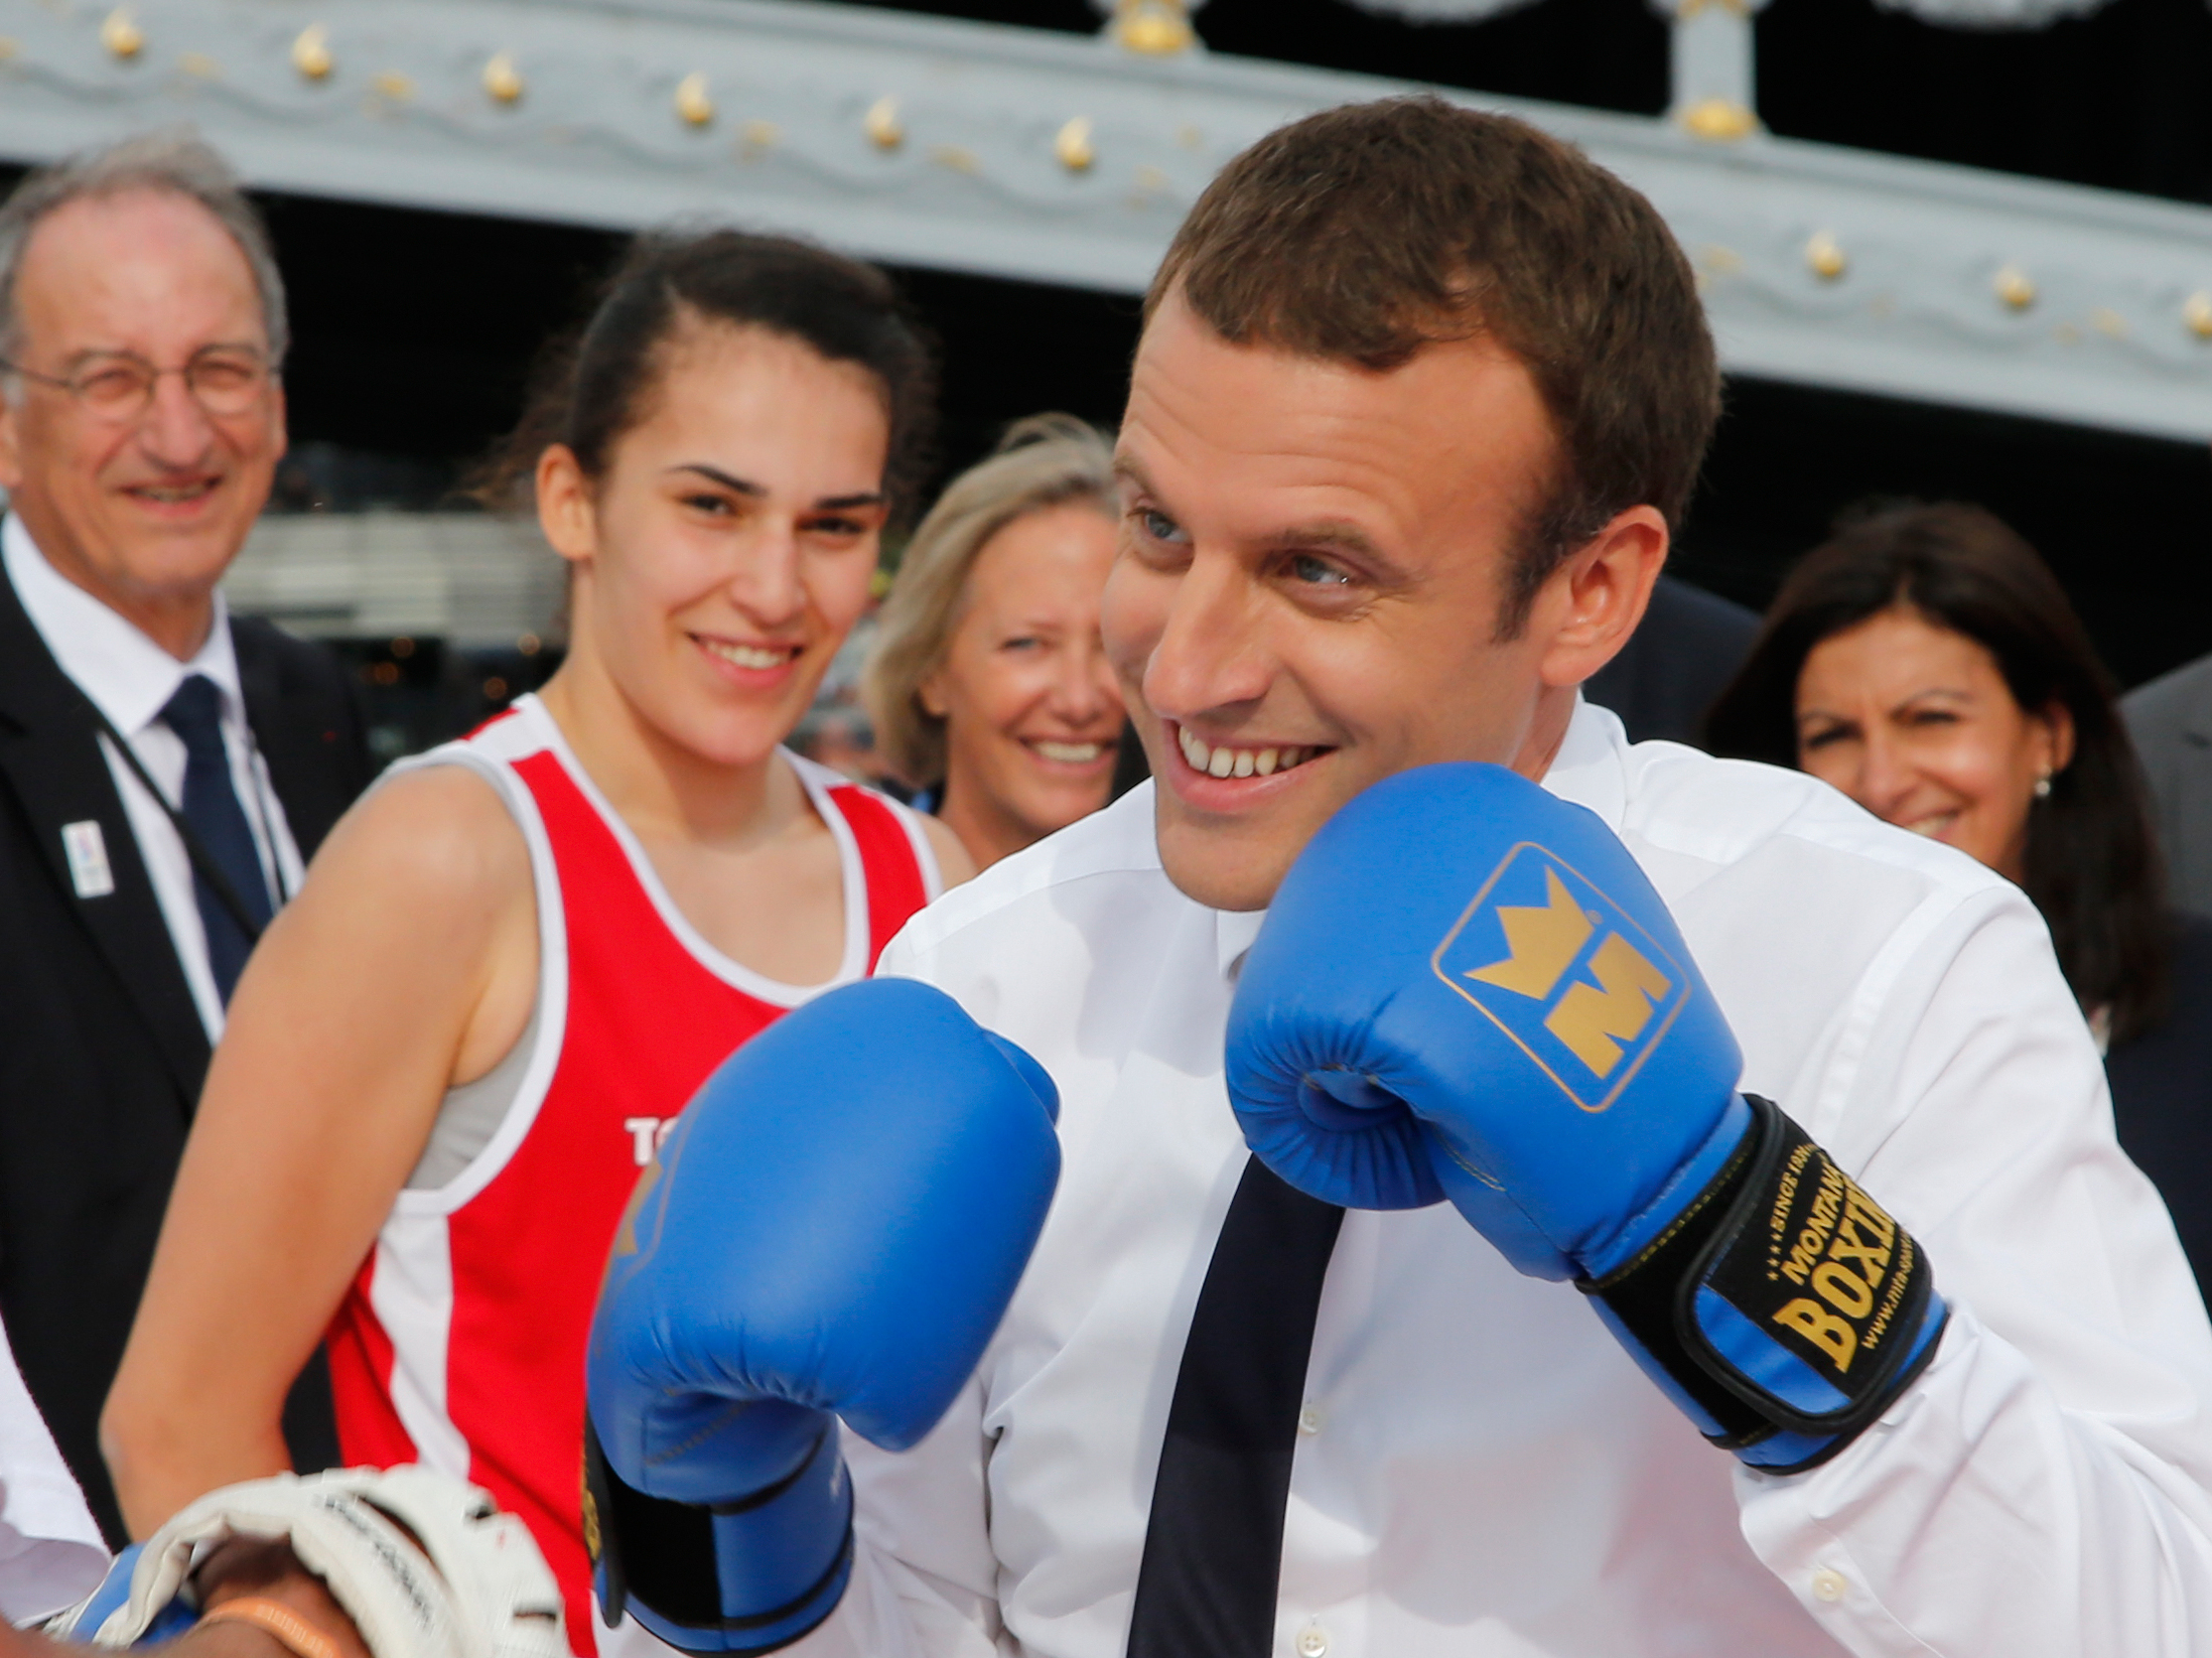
x=165, y=767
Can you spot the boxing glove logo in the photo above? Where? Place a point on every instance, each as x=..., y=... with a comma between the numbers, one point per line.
x=1564, y=973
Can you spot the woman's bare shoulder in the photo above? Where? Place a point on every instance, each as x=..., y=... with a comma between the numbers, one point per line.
x=435, y=834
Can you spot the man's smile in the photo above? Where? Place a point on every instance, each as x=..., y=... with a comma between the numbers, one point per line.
x=1222, y=760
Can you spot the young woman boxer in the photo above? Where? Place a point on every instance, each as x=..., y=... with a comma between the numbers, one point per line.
x=515, y=961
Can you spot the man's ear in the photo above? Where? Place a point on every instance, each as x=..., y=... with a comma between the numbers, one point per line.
x=1589, y=606
x=567, y=512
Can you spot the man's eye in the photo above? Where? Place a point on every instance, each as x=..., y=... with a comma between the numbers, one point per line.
x=1157, y=525
x=1318, y=572
x=224, y=373
x=111, y=385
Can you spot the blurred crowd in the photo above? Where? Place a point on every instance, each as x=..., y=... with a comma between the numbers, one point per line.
x=311, y=1080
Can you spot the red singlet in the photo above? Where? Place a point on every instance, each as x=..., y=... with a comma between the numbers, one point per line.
x=460, y=1343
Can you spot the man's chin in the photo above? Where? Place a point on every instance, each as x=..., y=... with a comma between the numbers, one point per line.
x=1220, y=868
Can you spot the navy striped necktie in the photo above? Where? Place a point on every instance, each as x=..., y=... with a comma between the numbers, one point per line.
x=213, y=813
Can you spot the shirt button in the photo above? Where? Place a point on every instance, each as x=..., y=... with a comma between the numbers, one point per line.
x=1828, y=1585
x=1310, y=1424
x=1313, y=1641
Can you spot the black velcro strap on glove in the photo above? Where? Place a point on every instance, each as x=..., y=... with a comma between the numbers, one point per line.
x=1784, y=1302
x=673, y=1542
x=656, y=1555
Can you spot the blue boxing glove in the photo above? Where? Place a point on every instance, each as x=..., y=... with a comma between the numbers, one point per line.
x=1465, y=988
x=833, y=1229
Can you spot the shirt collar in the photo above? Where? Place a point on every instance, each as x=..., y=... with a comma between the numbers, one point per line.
x=1588, y=770
x=1591, y=768
x=128, y=677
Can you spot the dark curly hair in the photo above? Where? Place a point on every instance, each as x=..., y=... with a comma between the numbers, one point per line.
x=2092, y=865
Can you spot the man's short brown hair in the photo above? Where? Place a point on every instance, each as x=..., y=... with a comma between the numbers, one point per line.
x=1365, y=232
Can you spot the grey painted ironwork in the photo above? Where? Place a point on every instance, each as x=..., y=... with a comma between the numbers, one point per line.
x=1068, y=159
x=477, y=580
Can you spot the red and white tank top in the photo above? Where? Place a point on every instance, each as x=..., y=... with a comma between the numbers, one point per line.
x=460, y=1342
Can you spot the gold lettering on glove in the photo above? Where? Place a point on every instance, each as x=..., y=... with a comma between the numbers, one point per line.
x=1587, y=991
x=1544, y=941
x=1595, y=1019
x=1591, y=1020
x=1843, y=1254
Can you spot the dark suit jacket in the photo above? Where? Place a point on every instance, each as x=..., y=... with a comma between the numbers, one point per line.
x=2170, y=719
x=1682, y=657
x=101, y=1051
x=2162, y=1097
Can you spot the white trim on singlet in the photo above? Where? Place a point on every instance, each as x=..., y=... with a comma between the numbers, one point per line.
x=817, y=780
x=491, y=754
x=411, y=1292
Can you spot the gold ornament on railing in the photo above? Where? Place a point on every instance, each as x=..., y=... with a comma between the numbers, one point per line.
x=1072, y=147
x=2196, y=312
x=882, y=125
x=502, y=82
x=1153, y=28
x=693, y=104
x=1718, y=121
x=2013, y=288
x=121, y=35
x=1825, y=256
x=311, y=52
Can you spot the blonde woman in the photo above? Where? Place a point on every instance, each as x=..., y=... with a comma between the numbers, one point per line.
x=987, y=685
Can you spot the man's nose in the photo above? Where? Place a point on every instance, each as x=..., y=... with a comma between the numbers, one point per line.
x=1209, y=655
x=175, y=430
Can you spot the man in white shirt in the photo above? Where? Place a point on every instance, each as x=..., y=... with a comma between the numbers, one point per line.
x=164, y=767
x=1420, y=396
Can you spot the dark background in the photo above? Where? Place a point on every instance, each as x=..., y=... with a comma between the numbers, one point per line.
x=414, y=330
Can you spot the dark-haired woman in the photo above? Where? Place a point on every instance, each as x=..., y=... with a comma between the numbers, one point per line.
x=517, y=960
x=1926, y=662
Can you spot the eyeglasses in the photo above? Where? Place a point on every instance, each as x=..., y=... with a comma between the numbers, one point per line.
x=119, y=386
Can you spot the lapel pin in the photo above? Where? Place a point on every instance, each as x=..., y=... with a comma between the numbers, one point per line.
x=86, y=847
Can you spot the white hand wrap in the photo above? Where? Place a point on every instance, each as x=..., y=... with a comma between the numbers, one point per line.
x=484, y=1591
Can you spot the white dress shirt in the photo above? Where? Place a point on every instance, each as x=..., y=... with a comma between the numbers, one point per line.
x=1480, y=1469
x=130, y=679
x=52, y=1555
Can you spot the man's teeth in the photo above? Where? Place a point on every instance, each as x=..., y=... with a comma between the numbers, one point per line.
x=1225, y=761
x=172, y=493
x=751, y=656
x=1072, y=754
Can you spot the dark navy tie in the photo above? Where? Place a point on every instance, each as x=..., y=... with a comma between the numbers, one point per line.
x=1212, y=1564
x=213, y=813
